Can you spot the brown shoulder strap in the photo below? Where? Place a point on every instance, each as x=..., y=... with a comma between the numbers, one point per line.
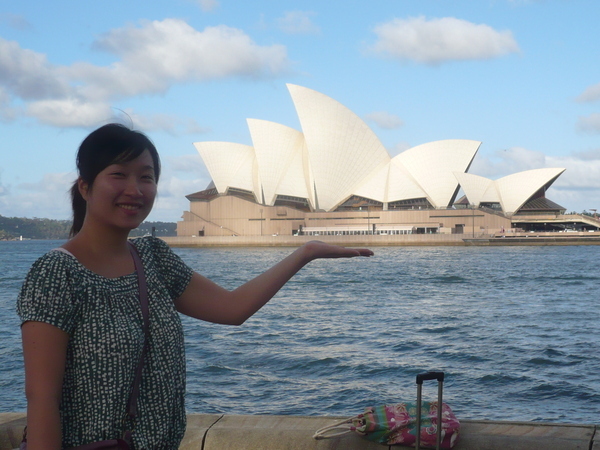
x=135, y=391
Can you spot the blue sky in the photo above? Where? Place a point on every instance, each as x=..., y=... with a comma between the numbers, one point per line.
x=521, y=76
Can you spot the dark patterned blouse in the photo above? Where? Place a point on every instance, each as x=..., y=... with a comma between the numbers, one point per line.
x=104, y=321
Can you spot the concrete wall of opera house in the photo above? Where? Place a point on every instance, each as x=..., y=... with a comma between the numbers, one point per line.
x=229, y=215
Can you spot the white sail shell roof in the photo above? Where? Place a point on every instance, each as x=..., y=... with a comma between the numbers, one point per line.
x=336, y=155
x=230, y=165
x=389, y=184
x=477, y=189
x=517, y=188
x=375, y=187
x=282, y=164
x=402, y=185
x=512, y=191
x=343, y=150
x=432, y=165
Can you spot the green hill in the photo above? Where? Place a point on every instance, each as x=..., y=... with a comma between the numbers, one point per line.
x=16, y=227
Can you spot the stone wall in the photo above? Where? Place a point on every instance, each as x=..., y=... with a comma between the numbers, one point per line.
x=223, y=432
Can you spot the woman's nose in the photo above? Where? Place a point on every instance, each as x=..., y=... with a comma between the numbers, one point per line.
x=133, y=188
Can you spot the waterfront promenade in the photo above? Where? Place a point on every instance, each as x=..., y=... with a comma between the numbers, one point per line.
x=542, y=238
x=222, y=432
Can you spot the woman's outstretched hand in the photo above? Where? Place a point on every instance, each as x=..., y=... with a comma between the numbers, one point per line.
x=319, y=249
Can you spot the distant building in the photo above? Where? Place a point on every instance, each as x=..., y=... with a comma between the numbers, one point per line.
x=336, y=177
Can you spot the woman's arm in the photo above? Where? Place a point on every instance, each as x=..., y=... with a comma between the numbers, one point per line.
x=207, y=301
x=44, y=352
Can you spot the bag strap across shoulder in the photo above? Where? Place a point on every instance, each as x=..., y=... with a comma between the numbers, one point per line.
x=143, y=288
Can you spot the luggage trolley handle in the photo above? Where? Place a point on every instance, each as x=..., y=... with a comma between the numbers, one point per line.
x=439, y=376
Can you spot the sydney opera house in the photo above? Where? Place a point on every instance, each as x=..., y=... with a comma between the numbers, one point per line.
x=334, y=176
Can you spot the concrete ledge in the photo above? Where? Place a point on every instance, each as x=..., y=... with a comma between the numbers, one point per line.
x=295, y=433
x=11, y=429
x=197, y=428
x=484, y=435
x=278, y=433
x=223, y=432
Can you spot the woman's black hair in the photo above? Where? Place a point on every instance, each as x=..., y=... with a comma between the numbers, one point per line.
x=110, y=144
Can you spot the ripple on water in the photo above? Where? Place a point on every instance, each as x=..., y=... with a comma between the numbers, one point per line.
x=515, y=330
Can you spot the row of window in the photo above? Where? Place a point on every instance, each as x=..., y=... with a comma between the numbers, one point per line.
x=355, y=232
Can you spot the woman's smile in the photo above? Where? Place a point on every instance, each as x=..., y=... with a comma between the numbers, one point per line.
x=133, y=207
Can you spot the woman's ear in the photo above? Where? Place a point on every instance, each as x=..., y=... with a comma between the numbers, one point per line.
x=83, y=187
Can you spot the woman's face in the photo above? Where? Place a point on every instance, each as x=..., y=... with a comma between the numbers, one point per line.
x=123, y=194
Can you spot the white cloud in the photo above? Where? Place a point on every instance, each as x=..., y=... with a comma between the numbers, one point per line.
x=162, y=52
x=51, y=182
x=524, y=2
x=48, y=198
x=398, y=148
x=580, y=173
x=74, y=112
x=165, y=122
x=590, y=94
x=4, y=190
x=191, y=163
x=385, y=120
x=27, y=74
x=7, y=112
x=181, y=176
x=508, y=161
x=15, y=21
x=177, y=188
x=151, y=57
x=208, y=5
x=171, y=202
x=589, y=124
x=70, y=112
x=298, y=22
x=588, y=155
x=438, y=40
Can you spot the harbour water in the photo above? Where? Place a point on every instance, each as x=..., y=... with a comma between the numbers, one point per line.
x=515, y=329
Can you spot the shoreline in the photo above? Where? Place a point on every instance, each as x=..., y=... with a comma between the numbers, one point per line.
x=413, y=240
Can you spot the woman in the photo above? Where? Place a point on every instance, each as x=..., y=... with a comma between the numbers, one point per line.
x=81, y=316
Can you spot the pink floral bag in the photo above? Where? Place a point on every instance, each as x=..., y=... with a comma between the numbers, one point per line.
x=397, y=424
x=404, y=423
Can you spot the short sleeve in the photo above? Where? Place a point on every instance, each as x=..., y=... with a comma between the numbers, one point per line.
x=47, y=293
x=175, y=274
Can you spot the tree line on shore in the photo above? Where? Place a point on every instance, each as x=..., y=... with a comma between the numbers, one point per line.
x=12, y=228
